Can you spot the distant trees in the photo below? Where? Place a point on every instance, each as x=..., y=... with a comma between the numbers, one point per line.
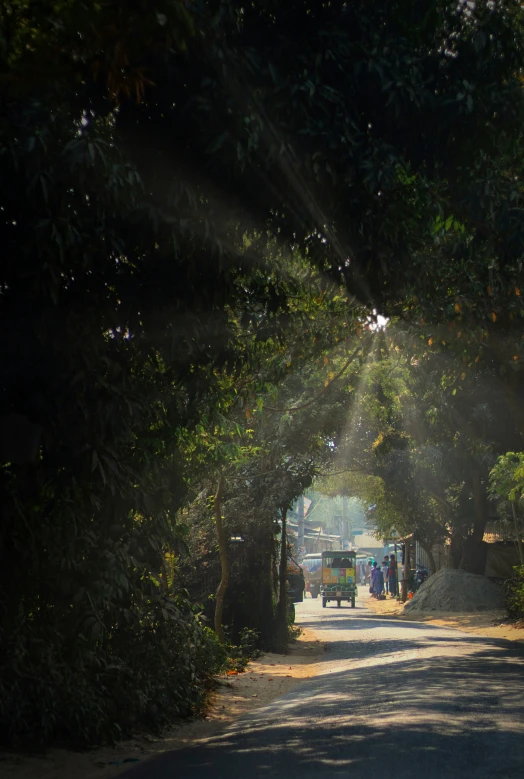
x=507, y=484
x=421, y=445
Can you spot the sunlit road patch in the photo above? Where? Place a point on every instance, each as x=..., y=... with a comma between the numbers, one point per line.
x=395, y=698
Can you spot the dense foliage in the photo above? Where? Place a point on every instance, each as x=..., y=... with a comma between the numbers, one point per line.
x=203, y=207
x=422, y=445
x=514, y=594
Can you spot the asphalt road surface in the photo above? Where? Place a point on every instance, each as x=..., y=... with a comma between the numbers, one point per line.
x=393, y=699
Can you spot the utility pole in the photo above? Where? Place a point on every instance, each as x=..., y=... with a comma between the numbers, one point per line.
x=406, y=570
x=300, y=515
x=345, y=524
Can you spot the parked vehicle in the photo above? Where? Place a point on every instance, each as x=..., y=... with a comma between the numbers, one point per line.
x=338, y=577
x=295, y=586
x=421, y=576
x=312, y=567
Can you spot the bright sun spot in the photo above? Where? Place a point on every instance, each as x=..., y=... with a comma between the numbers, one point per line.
x=377, y=322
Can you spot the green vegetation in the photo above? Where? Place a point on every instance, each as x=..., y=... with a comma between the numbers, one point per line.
x=514, y=594
x=204, y=208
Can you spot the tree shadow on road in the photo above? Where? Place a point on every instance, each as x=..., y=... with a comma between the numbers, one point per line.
x=430, y=717
x=421, y=636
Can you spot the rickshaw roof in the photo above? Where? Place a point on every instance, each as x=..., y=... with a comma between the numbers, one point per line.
x=339, y=553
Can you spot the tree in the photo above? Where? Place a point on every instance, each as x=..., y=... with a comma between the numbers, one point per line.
x=419, y=452
x=190, y=188
x=507, y=483
x=333, y=124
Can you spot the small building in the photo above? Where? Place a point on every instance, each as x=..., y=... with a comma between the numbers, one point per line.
x=369, y=545
x=315, y=540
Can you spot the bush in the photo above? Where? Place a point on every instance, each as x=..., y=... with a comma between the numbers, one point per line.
x=212, y=656
x=142, y=675
x=514, y=593
x=293, y=632
x=247, y=649
x=249, y=643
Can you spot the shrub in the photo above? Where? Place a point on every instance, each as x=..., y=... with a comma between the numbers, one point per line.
x=143, y=674
x=247, y=649
x=514, y=593
x=212, y=656
x=293, y=632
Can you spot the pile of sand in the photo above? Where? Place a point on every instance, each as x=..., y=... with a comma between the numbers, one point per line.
x=453, y=590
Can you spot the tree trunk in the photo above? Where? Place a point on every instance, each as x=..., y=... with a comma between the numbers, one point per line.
x=455, y=549
x=265, y=617
x=224, y=561
x=281, y=626
x=300, y=539
x=474, y=550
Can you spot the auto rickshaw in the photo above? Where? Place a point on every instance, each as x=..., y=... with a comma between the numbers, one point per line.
x=338, y=577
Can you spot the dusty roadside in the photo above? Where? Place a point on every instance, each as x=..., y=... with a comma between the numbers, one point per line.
x=493, y=624
x=265, y=679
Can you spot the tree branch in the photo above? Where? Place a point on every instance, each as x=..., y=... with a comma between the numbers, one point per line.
x=322, y=392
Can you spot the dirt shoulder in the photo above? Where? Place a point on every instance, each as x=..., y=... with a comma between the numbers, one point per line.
x=265, y=679
x=494, y=624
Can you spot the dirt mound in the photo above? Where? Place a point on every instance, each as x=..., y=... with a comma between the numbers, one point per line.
x=451, y=590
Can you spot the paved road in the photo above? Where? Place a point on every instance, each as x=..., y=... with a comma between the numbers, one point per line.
x=395, y=699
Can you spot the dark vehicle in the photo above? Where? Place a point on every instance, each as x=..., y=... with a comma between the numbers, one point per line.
x=295, y=586
x=338, y=577
x=312, y=566
x=421, y=576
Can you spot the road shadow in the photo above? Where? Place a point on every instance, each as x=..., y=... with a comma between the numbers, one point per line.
x=431, y=717
x=419, y=636
x=358, y=619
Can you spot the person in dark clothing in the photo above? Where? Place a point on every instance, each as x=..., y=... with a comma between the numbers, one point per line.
x=374, y=572
x=392, y=576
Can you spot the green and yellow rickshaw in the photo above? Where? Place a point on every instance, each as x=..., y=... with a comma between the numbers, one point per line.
x=338, y=577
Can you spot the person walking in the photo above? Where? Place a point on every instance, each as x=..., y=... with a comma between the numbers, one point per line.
x=385, y=572
x=379, y=582
x=392, y=576
x=374, y=572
